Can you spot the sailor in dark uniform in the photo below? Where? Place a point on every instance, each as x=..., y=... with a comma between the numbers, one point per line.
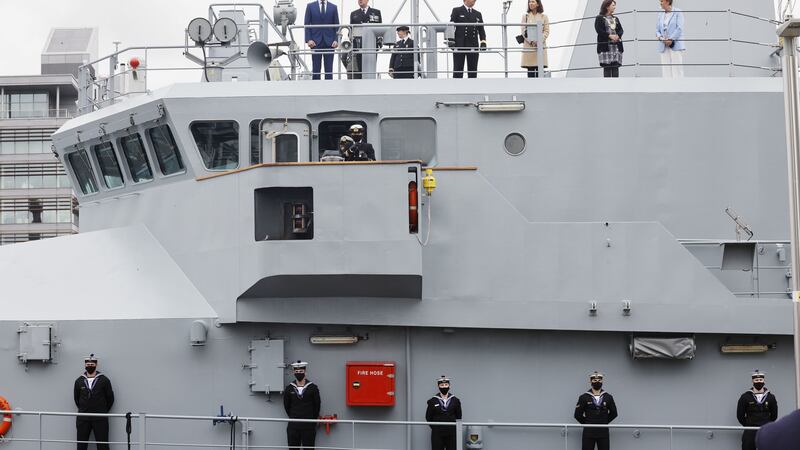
x=595, y=407
x=360, y=150
x=756, y=407
x=364, y=14
x=301, y=401
x=467, y=39
x=401, y=65
x=443, y=407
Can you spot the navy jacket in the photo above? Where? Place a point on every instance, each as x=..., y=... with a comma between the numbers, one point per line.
x=323, y=37
x=781, y=435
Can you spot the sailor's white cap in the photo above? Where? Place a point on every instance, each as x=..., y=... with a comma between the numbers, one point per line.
x=91, y=358
x=442, y=379
x=758, y=374
x=595, y=374
x=299, y=364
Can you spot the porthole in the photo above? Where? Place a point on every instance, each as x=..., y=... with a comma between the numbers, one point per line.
x=515, y=144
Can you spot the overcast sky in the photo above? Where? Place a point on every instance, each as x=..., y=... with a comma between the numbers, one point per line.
x=27, y=23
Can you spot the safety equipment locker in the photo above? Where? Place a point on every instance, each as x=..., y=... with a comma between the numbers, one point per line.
x=370, y=383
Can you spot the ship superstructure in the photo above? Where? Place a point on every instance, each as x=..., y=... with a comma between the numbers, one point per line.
x=577, y=224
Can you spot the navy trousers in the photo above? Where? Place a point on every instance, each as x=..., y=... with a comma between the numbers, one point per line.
x=316, y=63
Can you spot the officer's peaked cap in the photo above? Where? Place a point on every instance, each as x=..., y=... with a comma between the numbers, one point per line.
x=403, y=28
x=356, y=128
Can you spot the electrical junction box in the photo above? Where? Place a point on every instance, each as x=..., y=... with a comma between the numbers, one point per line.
x=370, y=383
x=35, y=342
x=267, y=366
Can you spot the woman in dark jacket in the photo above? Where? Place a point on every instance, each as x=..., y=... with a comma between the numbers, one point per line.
x=609, y=39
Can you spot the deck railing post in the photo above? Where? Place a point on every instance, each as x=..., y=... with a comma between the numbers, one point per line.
x=459, y=435
x=142, y=431
x=40, y=431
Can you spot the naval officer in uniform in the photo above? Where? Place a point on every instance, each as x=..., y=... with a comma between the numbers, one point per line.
x=595, y=407
x=401, y=64
x=364, y=14
x=301, y=401
x=93, y=394
x=443, y=407
x=756, y=407
x=468, y=39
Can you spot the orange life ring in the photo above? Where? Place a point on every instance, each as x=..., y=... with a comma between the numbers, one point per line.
x=5, y=425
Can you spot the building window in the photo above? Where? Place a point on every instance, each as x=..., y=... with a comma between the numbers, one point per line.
x=167, y=153
x=25, y=141
x=134, y=152
x=218, y=143
x=32, y=176
x=109, y=166
x=83, y=171
x=412, y=139
x=26, y=105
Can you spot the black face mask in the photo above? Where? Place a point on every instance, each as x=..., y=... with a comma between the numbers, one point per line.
x=758, y=386
x=90, y=369
x=299, y=376
x=444, y=390
x=597, y=385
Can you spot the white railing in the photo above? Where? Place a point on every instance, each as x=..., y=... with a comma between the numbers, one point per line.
x=139, y=435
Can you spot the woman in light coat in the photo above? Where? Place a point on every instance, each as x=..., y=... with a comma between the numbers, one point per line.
x=531, y=48
x=669, y=31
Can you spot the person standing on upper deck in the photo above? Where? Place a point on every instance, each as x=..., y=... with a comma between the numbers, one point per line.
x=402, y=62
x=756, y=407
x=669, y=30
x=595, y=407
x=468, y=39
x=321, y=41
x=609, y=39
x=530, y=51
x=364, y=14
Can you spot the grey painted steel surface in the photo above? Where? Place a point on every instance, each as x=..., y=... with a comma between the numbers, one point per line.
x=160, y=373
x=708, y=31
x=651, y=183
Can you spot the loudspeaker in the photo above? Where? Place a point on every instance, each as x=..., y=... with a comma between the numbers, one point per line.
x=259, y=55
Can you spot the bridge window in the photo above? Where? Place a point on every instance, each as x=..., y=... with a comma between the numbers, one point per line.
x=330, y=132
x=218, y=143
x=408, y=139
x=138, y=165
x=82, y=168
x=255, y=143
x=109, y=167
x=167, y=153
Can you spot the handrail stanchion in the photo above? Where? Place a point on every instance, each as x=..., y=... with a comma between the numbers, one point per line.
x=354, y=435
x=40, y=431
x=459, y=435
x=540, y=48
x=142, y=431
x=730, y=43
x=566, y=438
x=636, y=42
x=670, y=437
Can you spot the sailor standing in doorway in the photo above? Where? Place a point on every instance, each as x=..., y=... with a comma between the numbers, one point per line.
x=93, y=394
x=756, y=407
x=362, y=149
x=301, y=401
x=443, y=407
x=595, y=407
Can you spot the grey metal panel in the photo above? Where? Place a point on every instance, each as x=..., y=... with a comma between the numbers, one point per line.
x=115, y=274
x=267, y=365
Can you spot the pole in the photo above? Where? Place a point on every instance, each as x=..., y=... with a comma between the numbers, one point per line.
x=504, y=17
x=415, y=19
x=793, y=150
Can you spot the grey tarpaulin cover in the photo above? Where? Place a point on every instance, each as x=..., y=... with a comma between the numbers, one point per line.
x=662, y=347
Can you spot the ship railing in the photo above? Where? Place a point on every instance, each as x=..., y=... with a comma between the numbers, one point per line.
x=162, y=66
x=144, y=430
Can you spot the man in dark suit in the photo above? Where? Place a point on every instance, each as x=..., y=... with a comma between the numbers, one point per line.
x=401, y=65
x=467, y=40
x=364, y=14
x=322, y=41
x=781, y=435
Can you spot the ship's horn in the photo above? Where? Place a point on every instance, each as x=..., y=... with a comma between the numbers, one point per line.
x=259, y=55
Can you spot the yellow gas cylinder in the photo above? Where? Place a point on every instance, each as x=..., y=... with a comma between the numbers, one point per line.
x=429, y=181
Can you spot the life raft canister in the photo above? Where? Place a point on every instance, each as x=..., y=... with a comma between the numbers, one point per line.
x=5, y=425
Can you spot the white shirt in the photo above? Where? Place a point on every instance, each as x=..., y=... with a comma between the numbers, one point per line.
x=320, y=5
x=90, y=381
x=667, y=17
x=759, y=396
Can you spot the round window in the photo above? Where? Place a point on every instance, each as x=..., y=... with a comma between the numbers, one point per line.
x=515, y=144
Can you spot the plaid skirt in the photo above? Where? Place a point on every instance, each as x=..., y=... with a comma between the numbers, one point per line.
x=612, y=57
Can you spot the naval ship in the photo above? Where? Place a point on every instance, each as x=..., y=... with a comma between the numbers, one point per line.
x=513, y=234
